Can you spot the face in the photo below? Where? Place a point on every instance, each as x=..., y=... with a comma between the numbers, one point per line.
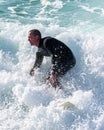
x=34, y=40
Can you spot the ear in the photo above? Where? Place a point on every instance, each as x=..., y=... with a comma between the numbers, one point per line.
x=37, y=37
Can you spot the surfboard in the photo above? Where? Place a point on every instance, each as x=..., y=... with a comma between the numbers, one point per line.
x=65, y=105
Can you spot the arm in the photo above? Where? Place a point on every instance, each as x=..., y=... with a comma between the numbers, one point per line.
x=38, y=62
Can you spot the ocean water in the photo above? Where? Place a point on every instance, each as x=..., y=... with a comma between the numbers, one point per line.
x=26, y=103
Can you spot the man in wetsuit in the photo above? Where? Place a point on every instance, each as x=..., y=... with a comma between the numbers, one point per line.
x=62, y=57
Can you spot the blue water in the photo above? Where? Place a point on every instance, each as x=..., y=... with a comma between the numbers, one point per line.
x=26, y=103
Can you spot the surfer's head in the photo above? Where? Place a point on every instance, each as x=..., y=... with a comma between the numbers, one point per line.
x=34, y=37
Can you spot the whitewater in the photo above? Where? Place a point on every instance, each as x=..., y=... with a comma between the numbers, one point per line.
x=26, y=103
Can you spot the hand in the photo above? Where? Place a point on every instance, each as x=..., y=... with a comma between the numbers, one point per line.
x=32, y=72
x=53, y=78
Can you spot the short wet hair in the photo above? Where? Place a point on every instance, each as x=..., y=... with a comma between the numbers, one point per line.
x=35, y=32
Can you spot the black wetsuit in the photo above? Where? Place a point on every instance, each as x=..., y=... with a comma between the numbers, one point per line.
x=62, y=57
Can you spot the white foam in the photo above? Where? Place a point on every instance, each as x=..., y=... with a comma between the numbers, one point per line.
x=27, y=90
x=99, y=121
x=82, y=99
x=32, y=96
x=96, y=10
x=56, y=4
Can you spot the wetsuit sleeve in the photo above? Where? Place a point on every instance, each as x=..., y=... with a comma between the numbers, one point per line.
x=51, y=46
x=38, y=61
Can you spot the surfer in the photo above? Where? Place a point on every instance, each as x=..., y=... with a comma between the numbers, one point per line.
x=62, y=56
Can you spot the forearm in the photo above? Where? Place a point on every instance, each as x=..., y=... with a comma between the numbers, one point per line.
x=54, y=69
x=38, y=61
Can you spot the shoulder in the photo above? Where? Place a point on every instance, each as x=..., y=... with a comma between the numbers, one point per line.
x=47, y=38
x=47, y=41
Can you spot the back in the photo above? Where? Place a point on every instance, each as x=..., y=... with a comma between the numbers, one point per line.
x=58, y=49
